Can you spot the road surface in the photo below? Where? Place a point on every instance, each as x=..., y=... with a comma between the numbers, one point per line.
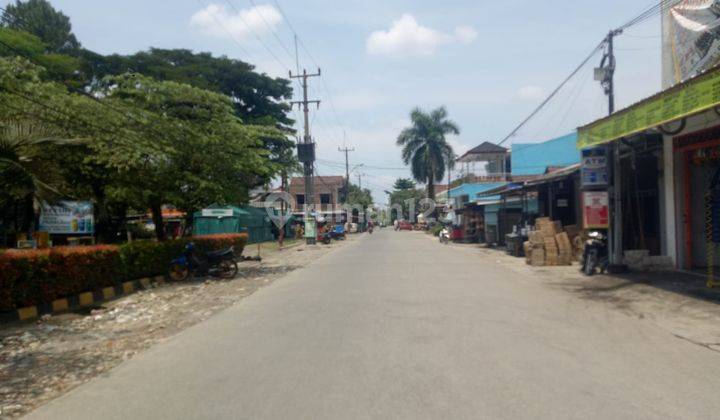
x=396, y=325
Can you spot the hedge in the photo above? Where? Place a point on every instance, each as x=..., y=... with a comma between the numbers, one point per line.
x=36, y=277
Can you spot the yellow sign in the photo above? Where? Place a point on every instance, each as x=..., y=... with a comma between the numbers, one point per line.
x=696, y=95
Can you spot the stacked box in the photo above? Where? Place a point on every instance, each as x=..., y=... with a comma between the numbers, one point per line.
x=527, y=248
x=551, y=251
x=536, y=238
x=565, y=249
x=537, y=257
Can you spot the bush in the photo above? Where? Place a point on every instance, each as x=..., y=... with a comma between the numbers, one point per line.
x=435, y=230
x=40, y=276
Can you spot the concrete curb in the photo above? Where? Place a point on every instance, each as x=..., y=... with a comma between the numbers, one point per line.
x=83, y=300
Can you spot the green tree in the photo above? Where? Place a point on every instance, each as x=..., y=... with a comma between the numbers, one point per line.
x=200, y=152
x=25, y=177
x=39, y=18
x=425, y=148
x=361, y=197
x=258, y=99
x=404, y=184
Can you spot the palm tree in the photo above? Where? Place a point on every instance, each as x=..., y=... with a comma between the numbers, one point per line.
x=26, y=177
x=425, y=148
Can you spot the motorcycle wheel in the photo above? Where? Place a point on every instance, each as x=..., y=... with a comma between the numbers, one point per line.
x=227, y=269
x=179, y=272
x=590, y=264
x=327, y=240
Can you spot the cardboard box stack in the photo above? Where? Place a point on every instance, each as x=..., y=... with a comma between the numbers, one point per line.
x=548, y=244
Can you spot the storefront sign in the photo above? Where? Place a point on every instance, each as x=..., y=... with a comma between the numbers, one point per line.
x=217, y=212
x=596, y=210
x=594, y=170
x=691, y=39
x=67, y=218
x=697, y=95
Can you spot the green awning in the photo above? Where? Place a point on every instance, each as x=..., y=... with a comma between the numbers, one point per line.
x=690, y=97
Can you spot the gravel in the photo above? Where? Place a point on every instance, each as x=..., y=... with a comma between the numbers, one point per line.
x=42, y=360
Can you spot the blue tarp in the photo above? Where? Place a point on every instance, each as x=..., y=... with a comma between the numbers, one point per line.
x=534, y=158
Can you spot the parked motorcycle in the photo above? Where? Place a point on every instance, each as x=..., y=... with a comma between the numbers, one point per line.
x=444, y=236
x=220, y=264
x=595, y=254
x=338, y=233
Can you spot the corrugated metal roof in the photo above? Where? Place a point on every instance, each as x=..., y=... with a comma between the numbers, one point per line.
x=535, y=158
x=473, y=189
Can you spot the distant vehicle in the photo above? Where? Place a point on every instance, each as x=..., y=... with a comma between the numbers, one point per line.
x=405, y=225
x=444, y=235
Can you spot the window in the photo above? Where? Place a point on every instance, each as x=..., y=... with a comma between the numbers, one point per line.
x=300, y=199
x=325, y=198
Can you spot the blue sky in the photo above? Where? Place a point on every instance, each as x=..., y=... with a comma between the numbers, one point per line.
x=489, y=62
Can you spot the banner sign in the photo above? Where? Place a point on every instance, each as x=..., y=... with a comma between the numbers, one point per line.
x=67, y=218
x=691, y=39
x=594, y=169
x=217, y=212
x=695, y=96
x=596, y=209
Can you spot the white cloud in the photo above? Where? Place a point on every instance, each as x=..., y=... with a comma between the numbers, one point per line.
x=217, y=20
x=406, y=37
x=465, y=34
x=531, y=92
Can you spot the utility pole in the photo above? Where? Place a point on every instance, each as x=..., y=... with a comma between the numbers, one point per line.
x=360, y=180
x=347, y=168
x=306, y=155
x=605, y=74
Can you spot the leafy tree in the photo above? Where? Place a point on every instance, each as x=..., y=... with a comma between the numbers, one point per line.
x=407, y=201
x=58, y=67
x=404, y=184
x=425, y=148
x=24, y=176
x=200, y=151
x=361, y=197
x=257, y=98
x=39, y=18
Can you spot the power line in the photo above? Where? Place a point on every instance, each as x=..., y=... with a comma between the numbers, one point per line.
x=277, y=37
x=312, y=58
x=553, y=93
x=269, y=50
x=646, y=14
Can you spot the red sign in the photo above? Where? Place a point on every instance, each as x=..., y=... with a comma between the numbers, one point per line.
x=596, y=210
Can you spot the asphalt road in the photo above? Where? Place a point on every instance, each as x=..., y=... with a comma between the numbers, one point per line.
x=396, y=325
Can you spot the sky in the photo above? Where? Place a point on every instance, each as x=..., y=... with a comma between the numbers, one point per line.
x=490, y=63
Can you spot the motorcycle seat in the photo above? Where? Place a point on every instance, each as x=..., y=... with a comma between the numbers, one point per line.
x=221, y=253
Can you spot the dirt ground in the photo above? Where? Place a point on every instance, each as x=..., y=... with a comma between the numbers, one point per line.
x=677, y=302
x=40, y=361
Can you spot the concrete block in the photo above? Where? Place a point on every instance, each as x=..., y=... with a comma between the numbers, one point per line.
x=60, y=305
x=29, y=312
x=86, y=299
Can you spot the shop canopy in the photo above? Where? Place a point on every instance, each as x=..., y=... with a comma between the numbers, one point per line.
x=693, y=96
x=516, y=188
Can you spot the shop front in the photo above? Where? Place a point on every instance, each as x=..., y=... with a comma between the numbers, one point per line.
x=664, y=164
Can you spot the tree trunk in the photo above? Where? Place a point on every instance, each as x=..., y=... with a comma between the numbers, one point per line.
x=431, y=188
x=156, y=210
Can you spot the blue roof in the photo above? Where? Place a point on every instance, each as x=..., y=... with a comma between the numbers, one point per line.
x=473, y=189
x=534, y=158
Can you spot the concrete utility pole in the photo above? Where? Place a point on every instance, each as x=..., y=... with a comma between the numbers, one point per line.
x=347, y=168
x=606, y=78
x=360, y=180
x=306, y=154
